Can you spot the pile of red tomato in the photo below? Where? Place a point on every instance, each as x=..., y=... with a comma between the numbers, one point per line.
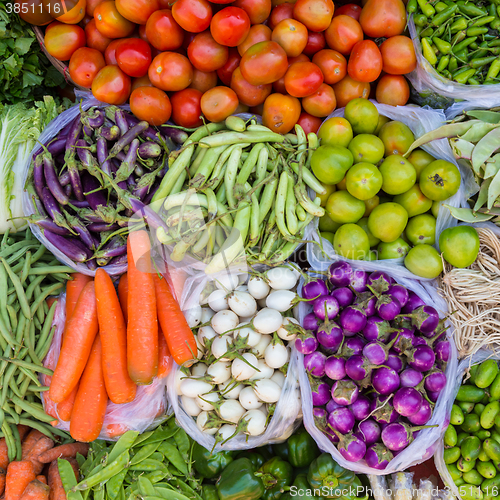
x=180, y=59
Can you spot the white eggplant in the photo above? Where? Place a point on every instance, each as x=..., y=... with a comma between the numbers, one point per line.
x=258, y=288
x=191, y=387
x=220, y=371
x=220, y=346
x=242, y=303
x=281, y=278
x=283, y=333
x=281, y=300
x=190, y=406
x=249, y=399
x=217, y=300
x=267, y=320
x=224, y=321
x=241, y=370
x=267, y=390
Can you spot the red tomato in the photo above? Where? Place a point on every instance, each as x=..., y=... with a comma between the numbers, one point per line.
x=280, y=113
x=309, y=123
x=166, y=4
x=226, y=72
x=143, y=81
x=258, y=10
x=279, y=85
x=171, y=71
x=365, y=62
x=84, y=65
x=258, y=33
x=283, y=11
x=315, y=43
x=33, y=12
x=133, y=56
x=332, y=64
x=94, y=38
x=351, y=10
x=393, y=90
x=192, y=15
x=230, y=26
x=74, y=14
x=291, y=35
x=63, y=40
x=348, y=89
x=248, y=94
x=206, y=54
x=343, y=34
x=303, y=79
x=315, y=14
x=137, y=11
x=110, y=53
x=186, y=108
x=219, y=103
x=110, y=22
x=321, y=103
x=383, y=18
x=111, y=85
x=91, y=5
x=150, y=104
x=203, y=81
x=163, y=32
x=142, y=33
x=263, y=63
x=398, y=55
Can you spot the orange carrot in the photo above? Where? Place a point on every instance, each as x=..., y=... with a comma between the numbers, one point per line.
x=42, y=478
x=77, y=343
x=116, y=430
x=142, y=327
x=113, y=333
x=73, y=290
x=4, y=454
x=19, y=475
x=41, y=446
x=64, y=451
x=65, y=408
x=23, y=431
x=36, y=490
x=176, y=279
x=31, y=439
x=56, y=487
x=123, y=295
x=91, y=401
x=180, y=339
x=2, y=481
x=165, y=361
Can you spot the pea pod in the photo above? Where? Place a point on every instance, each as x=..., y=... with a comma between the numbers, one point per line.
x=470, y=394
x=492, y=449
x=105, y=473
x=486, y=373
x=450, y=437
x=470, y=448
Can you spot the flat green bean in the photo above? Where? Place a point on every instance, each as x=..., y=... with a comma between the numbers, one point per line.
x=290, y=203
x=280, y=205
x=30, y=366
x=50, y=270
x=21, y=296
x=230, y=175
x=226, y=138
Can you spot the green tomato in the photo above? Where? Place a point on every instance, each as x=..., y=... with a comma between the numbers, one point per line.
x=363, y=181
x=421, y=229
x=363, y=224
x=328, y=236
x=397, y=138
x=394, y=250
x=336, y=131
x=362, y=115
x=370, y=204
x=436, y=205
x=398, y=173
x=329, y=188
x=439, y=180
x=420, y=159
x=326, y=224
x=460, y=245
x=351, y=241
x=343, y=208
x=424, y=261
x=366, y=148
x=330, y=163
x=414, y=201
x=382, y=120
x=387, y=221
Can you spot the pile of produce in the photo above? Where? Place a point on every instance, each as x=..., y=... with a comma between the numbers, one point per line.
x=243, y=188
x=378, y=202
x=460, y=39
x=111, y=345
x=82, y=184
x=290, y=63
x=243, y=339
x=375, y=354
x=472, y=440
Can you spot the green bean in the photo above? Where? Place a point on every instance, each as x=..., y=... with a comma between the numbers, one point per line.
x=308, y=178
x=21, y=296
x=22, y=245
x=261, y=169
x=29, y=366
x=231, y=173
x=12, y=318
x=226, y=138
x=15, y=388
x=32, y=409
x=249, y=164
x=17, y=440
x=207, y=166
x=9, y=439
x=209, y=128
x=179, y=183
x=31, y=287
x=290, y=203
x=14, y=414
x=235, y=123
x=280, y=205
x=38, y=254
x=219, y=166
x=41, y=298
x=50, y=270
x=198, y=155
x=254, y=220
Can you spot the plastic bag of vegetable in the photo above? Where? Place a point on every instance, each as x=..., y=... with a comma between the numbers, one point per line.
x=441, y=466
x=254, y=372
x=146, y=411
x=419, y=121
x=425, y=78
x=346, y=401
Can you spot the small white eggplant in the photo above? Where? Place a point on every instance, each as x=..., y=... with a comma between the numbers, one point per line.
x=232, y=393
x=252, y=337
x=281, y=300
x=249, y=399
x=267, y=390
x=281, y=278
x=242, y=288
x=258, y=288
x=242, y=303
x=190, y=406
x=227, y=281
x=265, y=371
x=260, y=348
x=206, y=314
x=217, y=300
x=267, y=320
x=283, y=333
x=193, y=316
x=198, y=370
x=179, y=375
x=204, y=404
x=231, y=410
x=191, y=387
x=275, y=354
x=220, y=346
x=243, y=371
x=226, y=432
x=205, y=333
x=220, y=371
x=203, y=422
x=224, y=321
x=255, y=422
x=279, y=378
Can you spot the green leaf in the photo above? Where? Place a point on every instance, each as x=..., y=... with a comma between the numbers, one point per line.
x=23, y=45
x=461, y=149
x=484, y=115
x=31, y=80
x=482, y=197
x=492, y=166
x=467, y=215
x=485, y=148
x=494, y=190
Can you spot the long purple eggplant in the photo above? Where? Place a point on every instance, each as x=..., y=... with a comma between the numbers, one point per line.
x=145, y=183
x=69, y=247
x=69, y=158
x=149, y=133
x=88, y=161
x=177, y=135
x=149, y=150
x=57, y=147
x=102, y=155
x=94, y=118
x=45, y=223
x=90, y=184
x=114, y=248
x=52, y=181
x=119, y=261
x=92, y=264
x=121, y=121
x=127, y=138
x=80, y=228
x=38, y=177
x=79, y=204
x=101, y=227
x=128, y=165
x=110, y=133
x=149, y=196
x=68, y=191
x=64, y=179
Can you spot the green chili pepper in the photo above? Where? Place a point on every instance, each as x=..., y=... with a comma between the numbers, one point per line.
x=470, y=9
x=463, y=44
x=463, y=55
x=443, y=63
x=444, y=47
x=420, y=20
x=495, y=25
x=210, y=464
x=427, y=32
x=443, y=16
x=440, y=6
x=463, y=77
x=482, y=61
x=492, y=10
x=446, y=74
x=483, y=20
x=460, y=24
x=429, y=54
x=453, y=64
x=477, y=31
x=426, y=8
x=411, y=6
x=474, y=46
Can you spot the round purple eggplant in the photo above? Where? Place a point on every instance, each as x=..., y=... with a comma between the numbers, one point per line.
x=421, y=358
x=326, y=306
x=352, y=319
x=382, y=411
x=330, y=335
x=332, y=405
x=398, y=436
x=407, y=401
x=314, y=289
x=359, y=280
x=351, y=347
x=395, y=362
x=425, y=319
x=306, y=343
x=371, y=431
x=358, y=367
x=340, y=273
x=351, y=447
x=311, y=322
x=443, y=350
x=344, y=296
x=410, y=377
x=376, y=329
x=315, y=363
x=400, y=293
x=404, y=340
x=423, y=415
x=319, y=412
x=342, y=420
x=435, y=381
x=378, y=456
x=388, y=307
x=345, y=392
x=361, y=407
x=320, y=393
x=335, y=368
x=385, y=380
x=414, y=302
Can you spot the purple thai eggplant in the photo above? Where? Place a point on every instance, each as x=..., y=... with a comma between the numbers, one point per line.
x=378, y=456
x=341, y=420
x=306, y=343
x=407, y=401
x=398, y=436
x=367, y=302
x=379, y=281
x=314, y=363
x=57, y=147
x=400, y=293
x=67, y=246
x=414, y=302
x=345, y=392
x=433, y=396
x=330, y=335
x=404, y=341
x=358, y=368
x=102, y=227
x=332, y=405
x=351, y=347
x=340, y=273
x=311, y=322
x=385, y=380
x=377, y=352
x=388, y=307
x=443, y=351
x=46, y=223
x=326, y=306
x=382, y=411
x=426, y=319
x=352, y=319
x=410, y=377
x=344, y=296
x=359, y=280
x=435, y=381
x=314, y=289
x=320, y=392
x=351, y=447
x=377, y=329
x=370, y=431
x=102, y=156
x=319, y=412
x=93, y=191
x=110, y=133
x=128, y=137
x=423, y=415
x=361, y=407
x=176, y=134
x=52, y=180
x=421, y=358
x=394, y=361
x=121, y=121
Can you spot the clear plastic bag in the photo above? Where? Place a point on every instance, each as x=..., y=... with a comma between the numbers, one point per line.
x=466, y=363
x=286, y=416
x=427, y=441
x=146, y=411
x=425, y=77
x=420, y=121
